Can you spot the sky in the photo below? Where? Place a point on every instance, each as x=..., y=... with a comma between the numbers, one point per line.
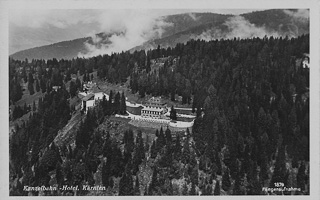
x=30, y=28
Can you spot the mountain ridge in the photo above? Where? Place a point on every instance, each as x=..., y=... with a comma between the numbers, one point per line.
x=182, y=28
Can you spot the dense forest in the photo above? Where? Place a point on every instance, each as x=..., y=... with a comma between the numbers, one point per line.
x=252, y=127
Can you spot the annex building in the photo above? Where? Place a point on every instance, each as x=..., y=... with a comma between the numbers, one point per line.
x=90, y=100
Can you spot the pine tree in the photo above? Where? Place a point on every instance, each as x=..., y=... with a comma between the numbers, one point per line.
x=217, y=188
x=31, y=88
x=280, y=171
x=105, y=173
x=34, y=108
x=84, y=78
x=123, y=104
x=185, y=189
x=173, y=113
x=186, y=152
x=59, y=175
x=148, y=69
x=153, y=187
x=153, y=150
x=168, y=136
x=139, y=152
x=177, y=148
x=161, y=141
x=30, y=78
x=116, y=103
x=126, y=183
x=193, y=189
x=147, y=145
x=37, y=85
x=194, y=176
x=72, y=89
x=226, y=183
x=137, y=187
x=301, y=176
x=43, y=86
x=238, y=186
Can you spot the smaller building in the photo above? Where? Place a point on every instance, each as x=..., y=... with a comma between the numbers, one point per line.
x=99, y=96
x=305, y=61
x=89, y=86
x=90, y=100
x=55, y=88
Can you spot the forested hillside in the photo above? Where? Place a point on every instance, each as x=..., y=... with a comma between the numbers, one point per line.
x=180, y=28
x=251, y=131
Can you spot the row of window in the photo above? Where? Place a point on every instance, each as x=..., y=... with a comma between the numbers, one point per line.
x=152, y=116
x=151, y=112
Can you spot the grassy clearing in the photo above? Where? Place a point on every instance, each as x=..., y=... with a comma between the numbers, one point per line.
x=117, y=126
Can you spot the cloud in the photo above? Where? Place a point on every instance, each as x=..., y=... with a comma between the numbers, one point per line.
x=238, y=27
x=128, y=28
x=55, y=25
x=37, y=18
x=300, y=14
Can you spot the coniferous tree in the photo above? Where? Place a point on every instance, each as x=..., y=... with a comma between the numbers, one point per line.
x=226, y=183
x=37, y=85
x=177, y=148
x=34, y=108
x=161, y=140
x=193, y=189
x=139, y=152
x=217, y=188
x=59, y=175
x=173, y=113
x=126, y=183
x=137, y=187
x=153, y=187
x=168, y=136
x=116, y=103
x=43, y=86
x=72, y=89
x=105, y=173
x=30, y=88
x=185, y=189
x=123, y=104
x=186, y=152
x=280, y=171
x=153, y=152
x=301, y=177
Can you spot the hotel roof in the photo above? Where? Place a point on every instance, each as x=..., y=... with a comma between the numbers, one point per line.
x=86, y=98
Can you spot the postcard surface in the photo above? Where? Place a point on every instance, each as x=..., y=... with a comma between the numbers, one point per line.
x=152, y=99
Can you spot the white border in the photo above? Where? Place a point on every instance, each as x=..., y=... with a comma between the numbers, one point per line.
x=313, y=5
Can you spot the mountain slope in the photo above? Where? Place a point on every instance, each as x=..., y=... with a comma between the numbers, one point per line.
x=183, y=27
x=256, y=24
x=61, y=50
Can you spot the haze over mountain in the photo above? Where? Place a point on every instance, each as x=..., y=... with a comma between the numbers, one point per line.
x=144, y=33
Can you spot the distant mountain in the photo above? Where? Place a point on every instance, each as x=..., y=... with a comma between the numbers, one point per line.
x=65, y=50
x=256, y=24
x=60, y=50
x=183, y=27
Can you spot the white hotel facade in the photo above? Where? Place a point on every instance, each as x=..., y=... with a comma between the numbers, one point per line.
x=154, y=109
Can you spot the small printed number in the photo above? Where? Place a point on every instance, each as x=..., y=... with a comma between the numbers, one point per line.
x=279, y=184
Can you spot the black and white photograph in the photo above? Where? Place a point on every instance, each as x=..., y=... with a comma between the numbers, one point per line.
x=110, y=98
